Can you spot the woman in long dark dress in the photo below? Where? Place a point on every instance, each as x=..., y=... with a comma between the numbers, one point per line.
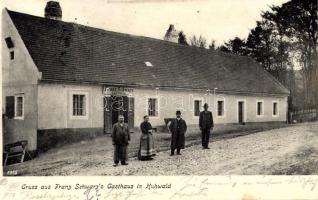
x=146, y=148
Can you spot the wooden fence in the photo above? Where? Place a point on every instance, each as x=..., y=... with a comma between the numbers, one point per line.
x=304, y=115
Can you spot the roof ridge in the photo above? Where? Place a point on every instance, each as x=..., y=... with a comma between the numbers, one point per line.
x=101, y=30
x=119, y=33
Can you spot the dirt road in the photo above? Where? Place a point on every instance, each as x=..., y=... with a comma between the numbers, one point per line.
x=290, y=150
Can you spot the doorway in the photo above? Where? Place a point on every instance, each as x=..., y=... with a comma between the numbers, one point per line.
x=115, y=106
x=241, y=112
x=119, y=107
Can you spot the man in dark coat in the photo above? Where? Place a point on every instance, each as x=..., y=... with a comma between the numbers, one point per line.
x=206, y=124
x=178, y=128
x=120, y=138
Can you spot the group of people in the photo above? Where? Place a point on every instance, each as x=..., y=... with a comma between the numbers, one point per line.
x=177, y=128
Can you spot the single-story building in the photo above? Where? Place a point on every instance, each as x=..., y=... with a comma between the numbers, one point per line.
x=63, y=78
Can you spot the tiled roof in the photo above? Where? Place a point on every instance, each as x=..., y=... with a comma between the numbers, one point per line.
x=71, y=52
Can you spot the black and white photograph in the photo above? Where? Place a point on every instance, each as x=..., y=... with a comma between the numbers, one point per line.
x=159, y=88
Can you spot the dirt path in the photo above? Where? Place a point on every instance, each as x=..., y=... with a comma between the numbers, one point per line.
x=251, y=154
x=278, y=151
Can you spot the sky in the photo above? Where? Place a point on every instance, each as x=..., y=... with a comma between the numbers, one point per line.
x=218, y=20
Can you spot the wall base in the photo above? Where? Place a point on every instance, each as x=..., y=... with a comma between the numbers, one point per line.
x=51, y=138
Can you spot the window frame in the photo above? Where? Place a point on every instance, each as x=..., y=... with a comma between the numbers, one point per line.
x=16, y=106
x=78, y=117
x=277, y=109
x=156, y=106
x=200, y=106
x=262, y=108
x=217, y=108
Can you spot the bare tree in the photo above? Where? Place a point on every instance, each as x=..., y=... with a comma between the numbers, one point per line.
x=198, y=42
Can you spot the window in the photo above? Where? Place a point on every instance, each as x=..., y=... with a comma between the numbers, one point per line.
x=148, y=64
x=11, y=55
x=79, y=105
x=19, y=107
x=259, y=108
x=9, y=111
x=220, y=108
x=9, y=42
x=275, y=109
x=10, y=45
x=197, y=106
x=152, y=107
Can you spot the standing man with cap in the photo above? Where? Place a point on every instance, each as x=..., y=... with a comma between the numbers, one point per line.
x=205, y=123
x=177, y=127
x=120, y=138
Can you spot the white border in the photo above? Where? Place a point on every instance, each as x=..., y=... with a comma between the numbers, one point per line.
x=78, y=92
x=15, y=107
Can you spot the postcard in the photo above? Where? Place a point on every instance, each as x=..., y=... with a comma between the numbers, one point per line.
x=159, y=99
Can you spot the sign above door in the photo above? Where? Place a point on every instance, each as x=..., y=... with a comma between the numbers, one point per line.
x=117, y=91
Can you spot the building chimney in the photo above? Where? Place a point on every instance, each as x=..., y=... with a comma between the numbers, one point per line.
x=53, y=10
x=171, y=34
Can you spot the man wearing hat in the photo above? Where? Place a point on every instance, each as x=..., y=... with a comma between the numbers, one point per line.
x=205, y=123
x=177, y=127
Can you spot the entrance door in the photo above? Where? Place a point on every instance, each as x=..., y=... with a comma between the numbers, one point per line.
x=115, y=106
x=119, y=107
x=241, y=112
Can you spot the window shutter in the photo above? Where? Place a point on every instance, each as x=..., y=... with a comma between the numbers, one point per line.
x=131, y=112
x=149, y=107
x=107, y=115
x=156, y=107
x=10, y=107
